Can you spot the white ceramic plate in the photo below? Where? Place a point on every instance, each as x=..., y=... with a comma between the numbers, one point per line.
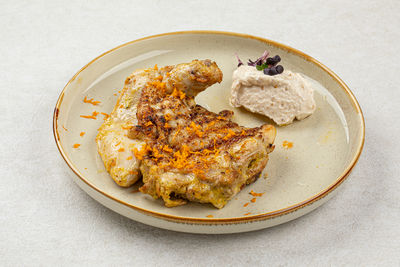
x=326, y=145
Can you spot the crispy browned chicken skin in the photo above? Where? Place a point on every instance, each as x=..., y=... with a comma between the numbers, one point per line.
x=184, y=151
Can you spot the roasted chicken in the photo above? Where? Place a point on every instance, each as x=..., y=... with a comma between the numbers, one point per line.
x=181, y=150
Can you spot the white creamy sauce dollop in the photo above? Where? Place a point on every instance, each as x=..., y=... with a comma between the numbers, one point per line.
x=282, y=97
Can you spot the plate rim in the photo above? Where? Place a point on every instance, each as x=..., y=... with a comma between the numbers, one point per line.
x=234, y=220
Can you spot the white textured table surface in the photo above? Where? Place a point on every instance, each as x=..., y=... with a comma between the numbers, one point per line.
x=47, y=220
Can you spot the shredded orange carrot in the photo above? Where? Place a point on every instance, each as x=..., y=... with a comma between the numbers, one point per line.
x=156, y=153
x=247, y=214
x=76, y=145
x=176, y=133
x=253, y=200
x=178, y=94
x=229, y=135
x=157, y=84
x=93, y=116
x=287, y=144
x=198, y=172
x=115, y=94
x=133, y=172
x=117, y=144
x=254, y=194
x=82, y=134
x=139, y=154
x=167, y=117
x=121, y=149
x=181, y=156
x=210, y=216
x=105, y=115
x=149, y=123
x=126, y=127
x=199, y=133
x=166, y=125
x=88, y=117
x=210, y=125
x=195, y=129
x=166, y=148
x=64, y=128
x=156, y=67
x=129, y=158
x=246, y=204
x=91, y=101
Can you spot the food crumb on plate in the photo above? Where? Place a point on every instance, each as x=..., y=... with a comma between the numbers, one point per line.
x=76, y=145
x=325, y=138
x=287, y=144
x=210, y=216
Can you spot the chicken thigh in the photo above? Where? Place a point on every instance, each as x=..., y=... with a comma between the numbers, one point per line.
x=182, y=151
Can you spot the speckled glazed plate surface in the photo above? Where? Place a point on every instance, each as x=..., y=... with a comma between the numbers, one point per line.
x=326, y=145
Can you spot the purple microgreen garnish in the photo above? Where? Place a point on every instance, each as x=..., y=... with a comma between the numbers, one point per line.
x=259, y=61
x=266, y=64
x=251, y=63
x=263, y=58
x=240, y=63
